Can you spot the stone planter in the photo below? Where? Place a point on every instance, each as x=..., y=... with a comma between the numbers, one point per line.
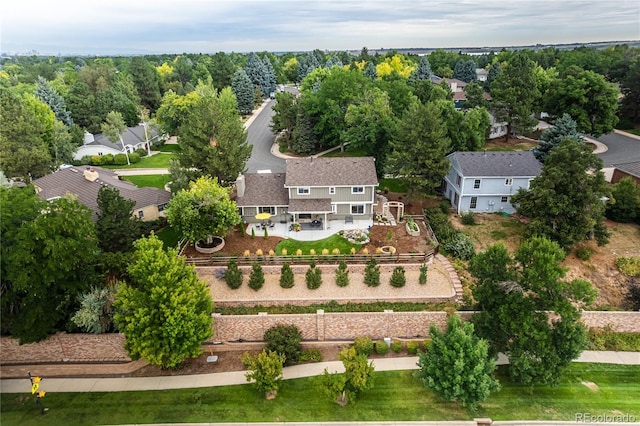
x=410, y=231
x=218, y=244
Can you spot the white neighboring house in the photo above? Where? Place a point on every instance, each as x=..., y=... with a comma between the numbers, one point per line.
x=139, y=137
x=483, y=182
x=497, y=129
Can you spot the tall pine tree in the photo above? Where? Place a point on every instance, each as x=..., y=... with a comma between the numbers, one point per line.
x=243, y=89
x=49, y=96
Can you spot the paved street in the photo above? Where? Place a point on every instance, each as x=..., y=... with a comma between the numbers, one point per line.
x=261, y=137
x=621, y=148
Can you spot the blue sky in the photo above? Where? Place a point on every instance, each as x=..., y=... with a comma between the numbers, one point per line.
x=207, y=26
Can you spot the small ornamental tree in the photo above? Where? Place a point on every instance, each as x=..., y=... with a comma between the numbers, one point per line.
x=285, y=340
x=357, y=377
x=233, y=275
x=372, y=273
x=313, y=276
x=265, y=369
x=422, y=279
x=256, y=279
x=625, y=206
x=457, y=364
x=398, y=278
x=287, y=279
x=342, y=274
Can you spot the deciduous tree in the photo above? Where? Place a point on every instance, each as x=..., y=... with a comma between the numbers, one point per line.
x=357, y=377
x=565, y=202
x=625, y=203
x=457, y=364
x=527, y=311
x=265, y=369
x=164, y=311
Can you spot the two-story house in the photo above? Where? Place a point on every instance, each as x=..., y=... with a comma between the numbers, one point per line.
x=311, y=190
x=485, y=181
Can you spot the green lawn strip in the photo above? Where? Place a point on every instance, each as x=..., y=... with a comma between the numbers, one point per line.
x=333, y=242
x=158, y=161
x=393, y=185
x=169, y=236
x=172, y=147
x=334, y=306
x=397, y=395
x=143, y=181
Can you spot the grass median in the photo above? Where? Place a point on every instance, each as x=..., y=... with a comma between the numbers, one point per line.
x=600, y=389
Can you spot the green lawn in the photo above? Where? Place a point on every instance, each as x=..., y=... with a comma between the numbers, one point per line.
x=173, y=147
x=143, y=181
x=397, y=395
x=329, y=243
x=393, y=185
x=158, y=161
x=169, y=237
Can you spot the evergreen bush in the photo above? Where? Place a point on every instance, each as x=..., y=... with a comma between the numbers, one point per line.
x=286, y=276
x=256, y=279
x=233, y=275
x=363, y=345
x=381, y=347
x=120, y=159
x=424, y=269
x=372, y=273
x=342, y=274
x=398, y=278
x=413, y=346
x=313, y=276
x=285, y=340
x=396, y=346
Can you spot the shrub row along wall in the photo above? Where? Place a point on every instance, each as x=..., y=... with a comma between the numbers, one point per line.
x=64, y=347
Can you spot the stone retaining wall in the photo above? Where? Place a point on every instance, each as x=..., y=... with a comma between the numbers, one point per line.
x=321, y=326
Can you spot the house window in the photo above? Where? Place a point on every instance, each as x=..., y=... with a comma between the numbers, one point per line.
x=474, y=203
x=270, y=210
x=332, y=190
x=140, y=214
x=458, y=180
x=161, y=207
x=304, y=190
x=334, y=208
x=504, y=199
x=357, y=189
x=476, y=184
x=357, y=209
x=508, y=181
x=455, y=201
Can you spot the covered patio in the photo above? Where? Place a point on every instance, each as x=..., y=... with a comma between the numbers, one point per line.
x=309, y=233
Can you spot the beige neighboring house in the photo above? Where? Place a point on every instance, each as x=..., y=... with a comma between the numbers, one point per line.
x=85, y=182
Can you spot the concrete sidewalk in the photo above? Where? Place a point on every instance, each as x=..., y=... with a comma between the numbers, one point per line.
x=238, y=377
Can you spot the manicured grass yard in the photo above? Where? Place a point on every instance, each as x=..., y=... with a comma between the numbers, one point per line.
x=595, y=388
x=170, y=147
x=329, y=243
x=158, y=161
x=393, y=185
x=154, y=181
x=169, y=237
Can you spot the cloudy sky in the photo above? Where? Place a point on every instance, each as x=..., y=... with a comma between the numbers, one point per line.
x=207, y=26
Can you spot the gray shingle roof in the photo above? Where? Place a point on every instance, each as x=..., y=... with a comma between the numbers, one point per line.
x=72, y=180
x=632, y=168
x=503, y=163
x=131, y=136
x=313, y=205
x=333, y=171
x=264, y=189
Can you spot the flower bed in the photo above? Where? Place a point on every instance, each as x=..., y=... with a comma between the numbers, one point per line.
x=412, y=228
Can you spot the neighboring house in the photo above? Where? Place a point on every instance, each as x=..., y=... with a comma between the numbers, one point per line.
x=84, y=184
x=139, y=137
x=485, y=181
x=497, y=128
x=481, y=74
x=312, y=189
x=631, y=170
x=457, y=88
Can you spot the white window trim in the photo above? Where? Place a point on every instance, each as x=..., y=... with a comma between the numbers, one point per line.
x=479, y=183
x=471, y=202
x=364, y=209
x=505, y=197
x=332, y=190
x=508, y=181
x=305, y=190
x=353, y=190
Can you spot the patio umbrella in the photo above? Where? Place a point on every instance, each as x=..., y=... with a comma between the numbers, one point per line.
x=263, y=216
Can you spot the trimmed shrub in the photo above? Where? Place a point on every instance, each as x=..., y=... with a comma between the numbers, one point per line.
x=96, y=160
x=629, y=266
x=233, y=276
x=363, y=345
x=381, y=347
x=286, y=276
x=313, y=276
x=141, y=152
x=134, y=158
x=426, y=344
x=584, y=253
x=342, y=274
x=285, y=340
x=107, y=159
x=256, y=279
x=444, y=206
x=413, y=346
x=424, y=269
x=398, y=278
x=372, y=273
x=396, y=346
x=120, y=159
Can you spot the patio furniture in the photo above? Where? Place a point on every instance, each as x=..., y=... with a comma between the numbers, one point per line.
x=270, y=224
x=348, y=219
